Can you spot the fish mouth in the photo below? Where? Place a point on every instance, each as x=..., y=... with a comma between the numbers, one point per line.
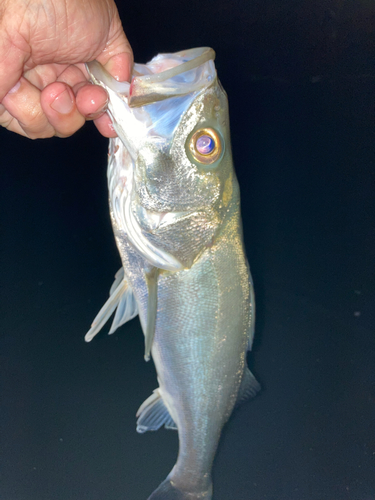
x=149, y=87
x=153, y=254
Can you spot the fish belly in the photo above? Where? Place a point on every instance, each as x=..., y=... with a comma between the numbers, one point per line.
x=199, y=352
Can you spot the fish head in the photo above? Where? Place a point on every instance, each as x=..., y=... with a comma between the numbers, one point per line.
x=173, y=138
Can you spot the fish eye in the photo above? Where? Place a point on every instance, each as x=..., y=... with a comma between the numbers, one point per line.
x=205, y=146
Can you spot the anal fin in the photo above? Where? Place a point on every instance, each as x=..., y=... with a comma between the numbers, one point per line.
x=153, y=413
x=249, y=387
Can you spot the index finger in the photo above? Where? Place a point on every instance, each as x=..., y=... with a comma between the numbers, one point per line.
x=12, y=60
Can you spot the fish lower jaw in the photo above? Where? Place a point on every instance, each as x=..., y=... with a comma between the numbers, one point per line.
x=151, y=220
x=154, y=255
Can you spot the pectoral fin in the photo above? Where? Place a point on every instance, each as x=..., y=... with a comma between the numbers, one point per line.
x=121, y=298
x=152, y=414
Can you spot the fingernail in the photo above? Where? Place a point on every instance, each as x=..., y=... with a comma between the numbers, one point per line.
x=103, y=109
x=63, y=103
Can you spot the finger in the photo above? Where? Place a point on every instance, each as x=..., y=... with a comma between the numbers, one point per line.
x=24, y=112
x=71, y=75
x=105, y=126
x=43, y=75
x=59, y=106
x=117, y=58
x=120, y=66
x=91, y=100
x=117, y=55
x=12, y=59
x=6, y=120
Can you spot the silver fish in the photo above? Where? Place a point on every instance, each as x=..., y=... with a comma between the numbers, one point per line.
x=175, y=210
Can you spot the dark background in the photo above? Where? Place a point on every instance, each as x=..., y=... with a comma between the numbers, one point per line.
x=300, y=77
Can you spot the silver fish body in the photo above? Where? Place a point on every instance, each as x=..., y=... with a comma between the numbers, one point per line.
x=175, y=210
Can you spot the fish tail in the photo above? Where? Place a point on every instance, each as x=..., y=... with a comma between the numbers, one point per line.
x=167, y=491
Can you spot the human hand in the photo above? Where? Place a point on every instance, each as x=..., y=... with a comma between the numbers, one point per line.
x=43, y=82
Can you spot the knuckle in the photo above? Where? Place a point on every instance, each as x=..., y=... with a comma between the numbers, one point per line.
x=35, y=123
x=35, y=117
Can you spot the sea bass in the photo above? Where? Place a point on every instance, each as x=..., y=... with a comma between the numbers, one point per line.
x=175, y=210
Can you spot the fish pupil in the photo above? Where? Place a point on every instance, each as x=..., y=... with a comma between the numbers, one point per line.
x=205, y=145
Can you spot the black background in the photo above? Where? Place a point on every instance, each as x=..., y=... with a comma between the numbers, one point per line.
x=300, y=77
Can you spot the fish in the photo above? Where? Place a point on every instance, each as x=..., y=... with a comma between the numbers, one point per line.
x=175, y=210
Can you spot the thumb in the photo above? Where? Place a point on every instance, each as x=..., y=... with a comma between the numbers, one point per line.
x=117, y=57
x=120, y=66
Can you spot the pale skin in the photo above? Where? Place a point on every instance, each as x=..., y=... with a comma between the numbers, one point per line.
x=44, y=90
